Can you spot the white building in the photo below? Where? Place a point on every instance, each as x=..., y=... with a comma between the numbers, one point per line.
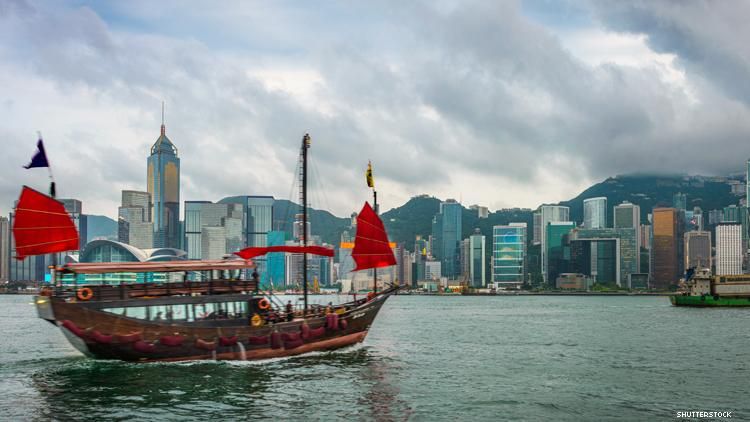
x=595, y=213
x=476, y=260
x=213, y=242
x=728, y=249
x=134, y=225
x=432, y=270
x=482, y=212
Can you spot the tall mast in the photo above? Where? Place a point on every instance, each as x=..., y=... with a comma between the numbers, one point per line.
x=375, y=270
x=305, y=146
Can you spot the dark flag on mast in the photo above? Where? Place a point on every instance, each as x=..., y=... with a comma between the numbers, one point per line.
x=368, y=176
x=40, y=158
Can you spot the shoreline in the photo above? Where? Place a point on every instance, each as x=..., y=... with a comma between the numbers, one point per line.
x=545, y=294
x=472, y=294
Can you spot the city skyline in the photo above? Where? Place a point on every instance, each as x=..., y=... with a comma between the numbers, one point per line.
x=611, y=88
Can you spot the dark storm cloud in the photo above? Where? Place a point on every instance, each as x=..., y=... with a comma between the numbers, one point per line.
x=434, y=94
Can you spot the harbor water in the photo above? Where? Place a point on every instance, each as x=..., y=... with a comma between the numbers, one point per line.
x=426, y=358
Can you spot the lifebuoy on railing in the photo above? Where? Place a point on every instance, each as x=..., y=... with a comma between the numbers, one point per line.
x=85, y=293
x=264, y=304
x=256, y=320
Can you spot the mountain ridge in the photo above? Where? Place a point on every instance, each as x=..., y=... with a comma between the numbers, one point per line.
x=414, y=217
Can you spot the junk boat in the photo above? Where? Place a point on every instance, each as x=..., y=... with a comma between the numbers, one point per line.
x=202, y=309
x=702, y=289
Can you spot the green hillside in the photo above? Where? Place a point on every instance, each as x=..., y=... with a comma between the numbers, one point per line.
x=415, y=216
x=322, y=223
x=652, y=191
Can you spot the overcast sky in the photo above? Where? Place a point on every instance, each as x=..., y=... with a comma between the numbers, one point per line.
x=498, y=103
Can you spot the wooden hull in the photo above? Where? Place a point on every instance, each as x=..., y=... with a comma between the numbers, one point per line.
x=104, y=335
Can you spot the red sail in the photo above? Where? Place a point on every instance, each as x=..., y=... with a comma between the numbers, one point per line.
x=371, y=246
x=41, y=225
x=252, y=252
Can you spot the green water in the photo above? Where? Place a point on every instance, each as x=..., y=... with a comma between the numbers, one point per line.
x=426, y=358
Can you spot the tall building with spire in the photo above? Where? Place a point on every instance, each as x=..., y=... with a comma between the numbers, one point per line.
x=163, y=181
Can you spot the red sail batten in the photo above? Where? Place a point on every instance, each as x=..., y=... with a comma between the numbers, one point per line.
x=41, y=225
x=371, y=246
x=252, y=252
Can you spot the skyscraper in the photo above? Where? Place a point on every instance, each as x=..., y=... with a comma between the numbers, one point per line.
x=628, y=216
x=163, y=183
x=608, y=255
x=213, y=242
x=645, y=236
x=698, y=249
x=74, y=208
x=200, y=215
x=276, y=261
x=679, y=201
x=31, y=268
x=595, y=213
x=403, y=265
x=664, y=267
x=558, y=249
x=258, y=218
x=739, y=215
x=509, y=255
x=446, y=229
x=464, y=253
x=4, y=248
x=550, y=214
x=728, y=249
x=134, y=225
x=476, y=260
x=537, y=228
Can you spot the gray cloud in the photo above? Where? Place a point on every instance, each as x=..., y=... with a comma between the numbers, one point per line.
x=434, y=95
x=708, y=37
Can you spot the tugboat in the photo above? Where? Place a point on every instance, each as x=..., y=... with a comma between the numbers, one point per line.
x=203, y=309
x=702, y=289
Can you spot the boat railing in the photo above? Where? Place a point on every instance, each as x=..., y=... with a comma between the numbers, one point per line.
x=124, y=291
x=276, y=301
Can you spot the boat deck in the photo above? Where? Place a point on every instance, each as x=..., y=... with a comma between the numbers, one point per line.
x=124, y=291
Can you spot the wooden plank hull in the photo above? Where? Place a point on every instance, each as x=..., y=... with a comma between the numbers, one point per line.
x=105, y=335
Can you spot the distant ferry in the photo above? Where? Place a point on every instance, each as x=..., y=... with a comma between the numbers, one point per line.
x=704, y=290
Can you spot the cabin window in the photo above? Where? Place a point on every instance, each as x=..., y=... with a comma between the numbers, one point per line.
x=179, y=312
x=185, y=312
x=132, y=312
x=241, y=311
x=137, y=312
x=190, y=312
x=117, y=311
x=158, y=313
